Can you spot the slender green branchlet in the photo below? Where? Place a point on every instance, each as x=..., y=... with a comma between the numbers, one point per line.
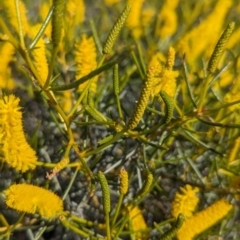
x=111, y=39
x=105, y=192
x=218, y=50
x=169, y=106
x=143, y=99
x=95, y=114
x=115, y=80
x=90, y=99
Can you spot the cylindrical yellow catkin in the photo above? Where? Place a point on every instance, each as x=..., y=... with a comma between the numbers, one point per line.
x=11, y=10
x=143, y=99
x=123, y=175
x=6, y=56
x=39, y=55
x=185, y=201
x=134, y=20
x=203, y=220
x=86, y=60
x=170, y=59
x=32, y=199
x=138, y=223
x=14, y=149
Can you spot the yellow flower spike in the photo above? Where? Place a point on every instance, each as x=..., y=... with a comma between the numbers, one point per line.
x=75, y=10
x=138, y=223
x=165, y=77
x=112, y=37
x=147, y=16
x=185, y=202
x=6, y=56
x=39, y=55
x=33, y=199
x=167, y=19
x=105, y=192
x=218, y=50
x=202, y=37
x=170, y=58
x=123, y=175
x=73, y=18
x=13, y=145
x=86, y=61
x=203, y=220
x=143, y=99
x=10, y=8
x=134, y=19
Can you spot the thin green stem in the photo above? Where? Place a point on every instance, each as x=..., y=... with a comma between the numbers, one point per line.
x=42, y=29
x=118, y=207
x=139, y=48
x=51, y=66
x=108, y=229
x=107, y=144
x=137, y=64
x=81, y=97
x=95, y=35
x=185, y=71
x=66, y=224
x=82, y=221
x=204, y=93
x=126, y=217
x=3, y=220
x=21, y=34
x=119, y=107
x=70, y=184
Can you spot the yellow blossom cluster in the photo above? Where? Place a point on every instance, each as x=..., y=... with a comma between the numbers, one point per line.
x=86, y=60
x=204, y=36
x=14, y=148
x=165, y=77
x=185, y=202
x=167, y=20
x=137, y=222
x=134, y=19
x=203, y=220
x=33, y=199
x=6, y=56
x=39, y=55
x=11, y=11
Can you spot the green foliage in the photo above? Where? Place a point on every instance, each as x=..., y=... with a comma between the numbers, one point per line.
x=84, y=138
